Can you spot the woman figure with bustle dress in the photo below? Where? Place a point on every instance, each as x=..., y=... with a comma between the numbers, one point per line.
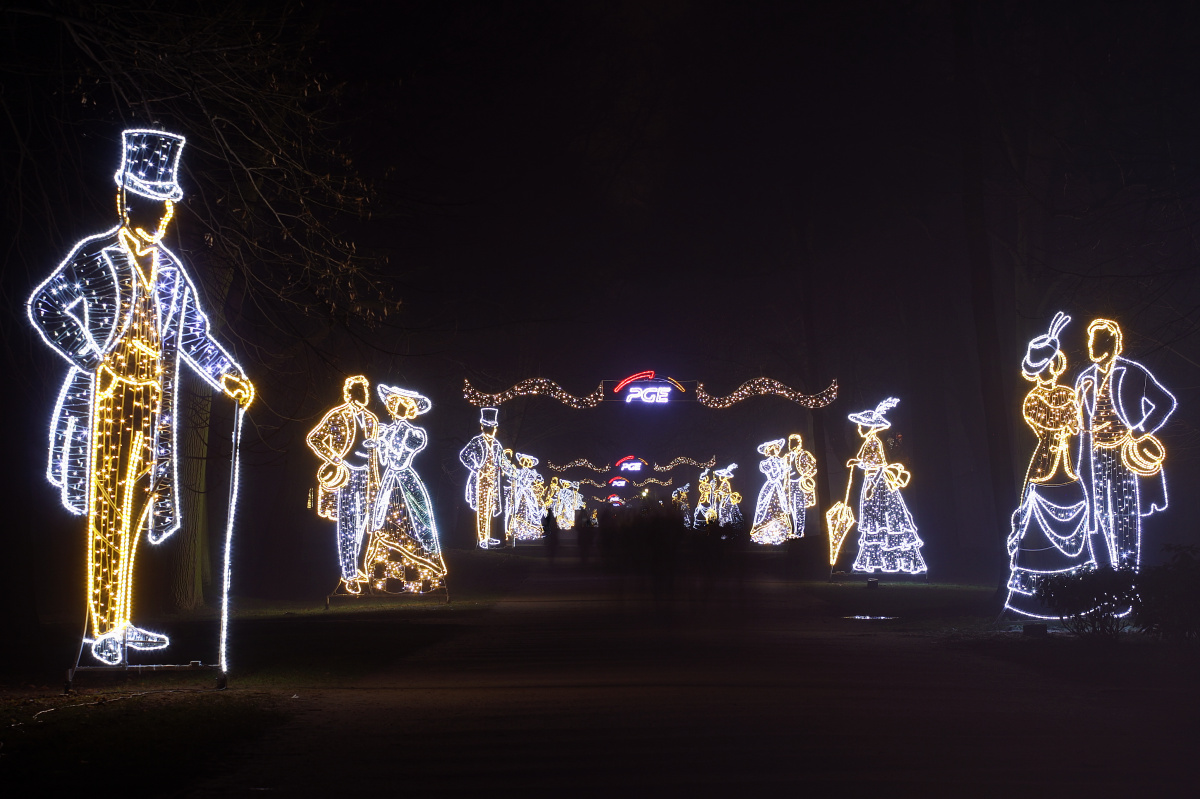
x=527, y=502
x=405, y=542
x=772, y=521
x=1049, y=529
x=887, y=539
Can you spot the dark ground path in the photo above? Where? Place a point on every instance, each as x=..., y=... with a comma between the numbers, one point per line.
x=571, y=686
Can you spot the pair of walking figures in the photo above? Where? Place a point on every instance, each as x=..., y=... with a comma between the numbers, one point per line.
x=386, y=532
x=1097, y=468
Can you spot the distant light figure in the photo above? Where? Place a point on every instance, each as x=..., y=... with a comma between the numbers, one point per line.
x=705, y=512
x=404, y=544
x=1050, y=528
x=802, y=483
x=124, y=313
x=484, y=456
x=726, y=500
x=348, y=479
x=1120, y=458
x=772, y=516
x=679, y=498
x=527, y=501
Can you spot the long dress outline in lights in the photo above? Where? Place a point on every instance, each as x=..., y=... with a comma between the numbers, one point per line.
x=527, y=500
x=123, y=312
x=1049, y=531
x=404, y=545
x=772, y=517
x=887, y=540
x=726, y=500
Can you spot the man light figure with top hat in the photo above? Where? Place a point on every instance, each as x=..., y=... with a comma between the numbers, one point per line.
x=484, y=456
x=124, y=314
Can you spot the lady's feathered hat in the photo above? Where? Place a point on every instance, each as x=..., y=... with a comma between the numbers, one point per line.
x=1043, y=348
x=875, y=418
x=422, y=402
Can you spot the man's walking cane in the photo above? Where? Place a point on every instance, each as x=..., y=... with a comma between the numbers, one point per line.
x=233, y=492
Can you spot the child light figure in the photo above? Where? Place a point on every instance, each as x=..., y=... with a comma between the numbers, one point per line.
x=124, y=313
x=404, y=544
x=887, y=539
x=772, y=517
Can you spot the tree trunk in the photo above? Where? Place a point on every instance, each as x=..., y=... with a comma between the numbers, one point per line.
x=191, y=566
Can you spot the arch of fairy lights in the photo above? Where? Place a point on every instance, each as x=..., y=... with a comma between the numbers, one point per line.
x=758, y=387
x=579, y=463
x=685, y=461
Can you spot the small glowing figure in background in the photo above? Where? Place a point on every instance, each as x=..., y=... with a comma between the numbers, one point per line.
x=705, y=512
x=124, y=314
x=726, y=500
x=802, y=482
x=527, y=501
x=1120, y=458
x=772, y=517
x=679, y=498
x=404, y=542
x=566, y=501
x=348, y=479
x=484, y=456
x=887, y=539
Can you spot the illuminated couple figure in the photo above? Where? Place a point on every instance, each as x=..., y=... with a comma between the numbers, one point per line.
x=679, y=499
x=787, y=493
x=725, y=501
x=887, y=535
x=564, y=502
x=369, y=488
x=124, y=314
x=1096, y=469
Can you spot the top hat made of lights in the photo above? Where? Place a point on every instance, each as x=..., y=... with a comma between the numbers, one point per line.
x=150, y=164
x=489, y=417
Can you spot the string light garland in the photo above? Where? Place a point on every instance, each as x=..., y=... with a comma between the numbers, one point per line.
x=685, y=461
x=534, y=386
x=124, y=313
x=1079, y=514
x=579, y=463
x=888, y=540
x=765, y=386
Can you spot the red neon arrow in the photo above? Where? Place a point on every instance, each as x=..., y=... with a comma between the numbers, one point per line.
x=646, y=375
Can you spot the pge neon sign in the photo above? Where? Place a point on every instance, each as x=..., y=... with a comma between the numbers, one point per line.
x=630, y=463
x=648, y=393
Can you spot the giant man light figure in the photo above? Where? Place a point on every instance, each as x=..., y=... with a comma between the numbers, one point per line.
x=123, y=313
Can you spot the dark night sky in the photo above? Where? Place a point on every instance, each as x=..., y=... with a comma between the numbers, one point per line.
x=719, y=191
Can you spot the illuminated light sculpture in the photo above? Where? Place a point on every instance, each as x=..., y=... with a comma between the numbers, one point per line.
x=630, y=464
x=484, y=456
x=579, y=462
x=348, y=478
x=1121, y=458
x=684, y=461
x=527, y=500
x=765, y=386
x=534, y=386
x=1050, y=528
x=679, y=498
x=124, y=313
x=404, y=543
x=772, y=512
x=802, y=482
x=705, y=511
x=887, y=538
x=727, y=501
x=565, y=502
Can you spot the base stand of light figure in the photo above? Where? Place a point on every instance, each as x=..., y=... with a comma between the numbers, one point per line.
x=1096, y=468
x=888, y=540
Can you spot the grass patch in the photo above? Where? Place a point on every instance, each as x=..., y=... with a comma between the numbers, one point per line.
x=89, y=741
